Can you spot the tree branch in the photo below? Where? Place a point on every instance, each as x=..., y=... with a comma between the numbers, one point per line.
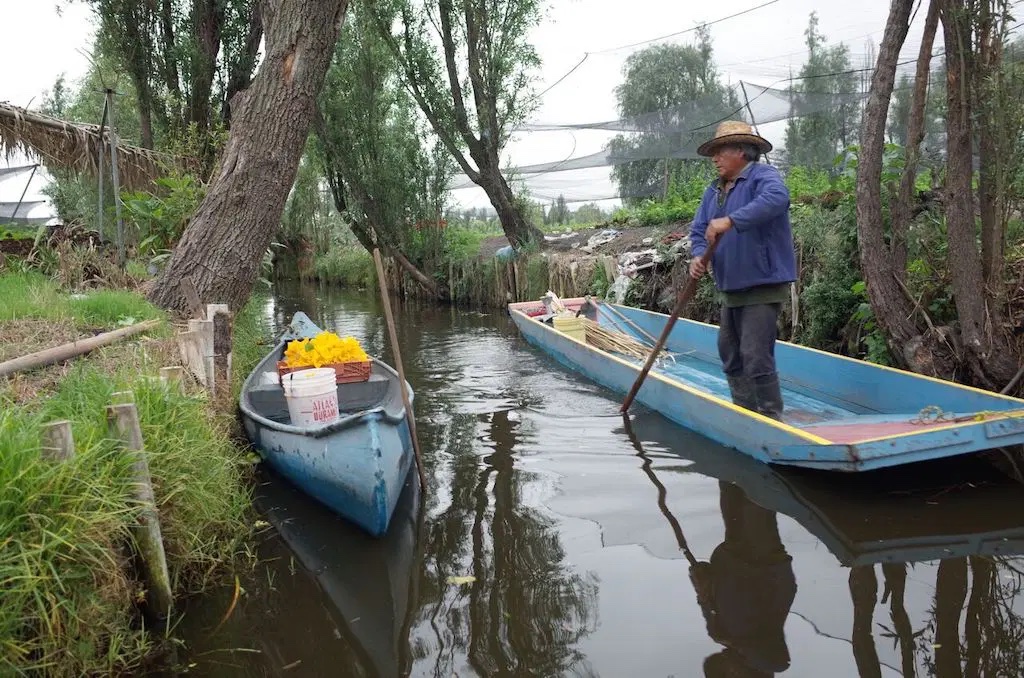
x=482, y=97
x=461, y=116
x=411, y=84
x=901, y=209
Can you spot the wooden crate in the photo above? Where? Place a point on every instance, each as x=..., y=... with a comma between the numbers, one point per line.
x=345, y=373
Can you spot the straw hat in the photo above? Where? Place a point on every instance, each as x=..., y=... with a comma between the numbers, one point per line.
x=734, y=132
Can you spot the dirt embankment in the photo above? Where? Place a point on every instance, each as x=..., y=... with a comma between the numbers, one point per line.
x=602, y=240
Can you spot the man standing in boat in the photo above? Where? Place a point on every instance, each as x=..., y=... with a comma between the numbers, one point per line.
x=746, y=210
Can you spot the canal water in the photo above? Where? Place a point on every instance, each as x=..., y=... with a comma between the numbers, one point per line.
x=561, y=540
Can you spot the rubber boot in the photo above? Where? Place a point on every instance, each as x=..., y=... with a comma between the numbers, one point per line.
x=742, y=390
x=769, y=396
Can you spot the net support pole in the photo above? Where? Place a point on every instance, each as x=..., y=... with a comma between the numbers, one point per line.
x=116, y=180
x=99, y=172
x=753, y=122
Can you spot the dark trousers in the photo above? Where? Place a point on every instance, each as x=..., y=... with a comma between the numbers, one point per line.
x=746, y=345
x=746, y=340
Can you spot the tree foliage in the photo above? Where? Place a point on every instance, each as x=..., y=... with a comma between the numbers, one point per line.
x=386, y=178
x=814, y=139
x=468, y=65
x=186, y=60
x=668, y=90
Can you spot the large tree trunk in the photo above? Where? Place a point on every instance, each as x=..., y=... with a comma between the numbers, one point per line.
x=995, y=155
x=518, y=229
x=208, y=18
x=902, y=208
x=888, y=301
x=989, y=355
x=223, y=246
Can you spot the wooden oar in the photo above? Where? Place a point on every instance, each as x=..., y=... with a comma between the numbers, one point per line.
x=689, y=289
x=673, y=522
x=401, y=370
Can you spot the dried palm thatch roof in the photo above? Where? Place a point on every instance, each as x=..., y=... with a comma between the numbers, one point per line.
x=76, y=146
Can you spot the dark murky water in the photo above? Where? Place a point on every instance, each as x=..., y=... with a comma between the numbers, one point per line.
x=600, y=547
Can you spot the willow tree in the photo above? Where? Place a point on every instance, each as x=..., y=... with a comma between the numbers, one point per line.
x=974, y=32
x=814, y=139
x=186, y=58
x=467, y=64
x=666, y=92
x=979, y=349
x=385, y=177
x=222, y=248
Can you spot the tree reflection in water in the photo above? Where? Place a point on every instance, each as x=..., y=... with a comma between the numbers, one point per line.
x=526, y=609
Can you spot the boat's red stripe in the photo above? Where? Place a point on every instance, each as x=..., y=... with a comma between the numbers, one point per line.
x=845, y=434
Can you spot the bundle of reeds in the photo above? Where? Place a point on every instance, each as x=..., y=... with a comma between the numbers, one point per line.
x=615, y=342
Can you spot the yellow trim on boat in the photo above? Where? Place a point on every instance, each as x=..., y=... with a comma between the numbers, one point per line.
x=806, y=435
x=936, y=380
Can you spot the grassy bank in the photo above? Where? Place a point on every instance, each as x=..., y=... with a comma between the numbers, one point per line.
x=70, y=588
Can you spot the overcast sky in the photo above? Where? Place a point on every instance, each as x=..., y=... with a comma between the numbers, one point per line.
x=761, y=46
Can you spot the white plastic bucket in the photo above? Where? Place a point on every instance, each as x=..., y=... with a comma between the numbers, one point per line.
x=312, y=396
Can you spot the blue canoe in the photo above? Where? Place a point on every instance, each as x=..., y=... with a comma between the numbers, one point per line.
x=356, y=465
x=841, y=414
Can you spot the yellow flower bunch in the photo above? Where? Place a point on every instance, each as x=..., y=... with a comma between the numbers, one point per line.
x=326, y=348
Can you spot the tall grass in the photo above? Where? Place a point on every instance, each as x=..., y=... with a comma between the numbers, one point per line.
x=69, y=586
x=33, y=295
x=351, y=267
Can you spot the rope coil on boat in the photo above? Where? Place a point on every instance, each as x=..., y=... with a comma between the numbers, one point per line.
x=933, y=414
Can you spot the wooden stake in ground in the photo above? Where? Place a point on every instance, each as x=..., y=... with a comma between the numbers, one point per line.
x=398, y=365
x=123, y=423
x=58, y=443
x=220, y=315
x=173, y=375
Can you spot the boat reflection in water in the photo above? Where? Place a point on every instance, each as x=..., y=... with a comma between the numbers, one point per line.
x=370, y=583
x=965, y=519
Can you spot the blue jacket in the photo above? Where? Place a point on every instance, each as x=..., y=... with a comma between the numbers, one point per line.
x=758, y=249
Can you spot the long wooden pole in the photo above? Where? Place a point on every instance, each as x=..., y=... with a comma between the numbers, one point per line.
x=689, y=289
x=71, y=349
x=116, y=180
x=401, y=370
x=629, y=322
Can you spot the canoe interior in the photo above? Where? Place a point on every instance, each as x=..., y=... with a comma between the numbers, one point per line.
x=841, y=400
x=381, y=390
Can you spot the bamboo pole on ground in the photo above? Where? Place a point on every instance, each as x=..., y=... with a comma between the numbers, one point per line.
x=401, y=369
x=123, y=423
x=72, y=349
